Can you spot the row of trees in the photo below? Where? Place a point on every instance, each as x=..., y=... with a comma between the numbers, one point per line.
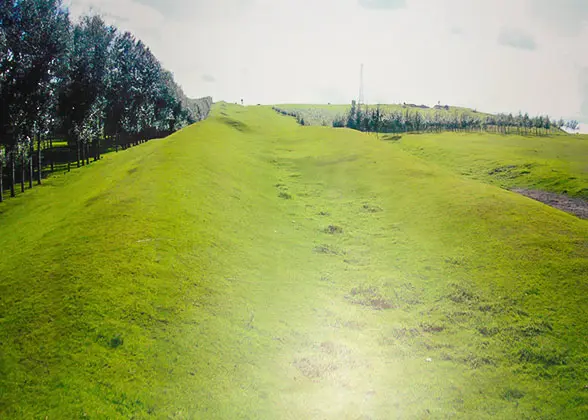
x=299, y=118
x=80, y=82
x=374, y=119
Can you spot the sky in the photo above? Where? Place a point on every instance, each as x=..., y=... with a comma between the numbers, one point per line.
x=494, y=56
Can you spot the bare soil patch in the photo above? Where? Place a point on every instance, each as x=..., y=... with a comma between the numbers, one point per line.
x=370, y=297
x=333, y=230
x=324, y=360
x=575, y=206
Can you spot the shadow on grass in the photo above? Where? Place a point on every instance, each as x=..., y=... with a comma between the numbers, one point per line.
x=390, y=137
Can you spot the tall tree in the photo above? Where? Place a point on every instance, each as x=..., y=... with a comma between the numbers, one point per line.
x=81, y=96
x=78, y=82
x=119, y=85
x=352, y=117
x=33, y=47
x=572, y=125
x=2, y=161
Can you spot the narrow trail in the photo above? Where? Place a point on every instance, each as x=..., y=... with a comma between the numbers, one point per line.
x=333, y=366
x=314, y=306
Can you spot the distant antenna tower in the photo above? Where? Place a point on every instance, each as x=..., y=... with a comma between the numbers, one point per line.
x=361, y=98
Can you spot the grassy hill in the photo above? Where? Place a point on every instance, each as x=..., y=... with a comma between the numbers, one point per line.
x=552, y=164
x=248, y=267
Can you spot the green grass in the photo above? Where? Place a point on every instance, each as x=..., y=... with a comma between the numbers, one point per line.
x=247, y=267
x=45, y=144
x=556, y=164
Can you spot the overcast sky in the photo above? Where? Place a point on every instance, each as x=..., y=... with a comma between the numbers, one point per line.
x=499, y=55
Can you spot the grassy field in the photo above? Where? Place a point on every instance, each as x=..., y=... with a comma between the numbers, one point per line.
x=557, y=164
x=248, y=267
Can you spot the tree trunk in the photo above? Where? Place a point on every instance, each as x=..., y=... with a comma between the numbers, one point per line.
x=31, y=154
x=87, y=153
x=78, y=151
x=22, y=172
x=83, y=153
x=1, y=182
x=52, y=155
x=68, y=158
x=39, y=162
x=12, y=174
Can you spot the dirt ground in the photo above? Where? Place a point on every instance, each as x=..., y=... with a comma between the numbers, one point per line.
x=576, y=206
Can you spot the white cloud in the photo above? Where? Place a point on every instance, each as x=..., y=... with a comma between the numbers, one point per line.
x=567, y=17
x=382, y=4
x=512, y=37
x=269, y=51
x=584, y=89
x=208, y=78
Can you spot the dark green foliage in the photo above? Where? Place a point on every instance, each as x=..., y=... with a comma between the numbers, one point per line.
x=34, y=34
x=299, y=118
x=287, y=113
x=352, y=118
x=33, y=45
x=511, y=394
x=116, y=341
x=546, y=357
x=83, y=83
x=142, y=99
x=81, y=95
x=339, y=122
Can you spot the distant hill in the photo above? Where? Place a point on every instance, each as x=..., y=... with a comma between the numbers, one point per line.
x=405, y=117
x=320, y=114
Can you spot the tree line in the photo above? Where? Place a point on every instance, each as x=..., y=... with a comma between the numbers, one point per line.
x=84, y=82
x=375, y=119
x=299, y=118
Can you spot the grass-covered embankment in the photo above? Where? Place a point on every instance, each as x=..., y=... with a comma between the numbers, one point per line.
x=556, y=163
x=250, y=267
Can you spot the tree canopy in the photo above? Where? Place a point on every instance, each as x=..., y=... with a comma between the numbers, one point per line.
x=80, y=81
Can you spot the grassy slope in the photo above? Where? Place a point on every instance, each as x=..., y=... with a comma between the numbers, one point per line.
x=192, y=277
x=556, y=164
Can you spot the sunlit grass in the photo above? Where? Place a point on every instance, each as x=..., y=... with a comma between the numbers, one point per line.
x=247, y=267
x=557, y=164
